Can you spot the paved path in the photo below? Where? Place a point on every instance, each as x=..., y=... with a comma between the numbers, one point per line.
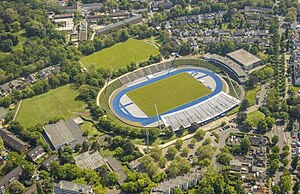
x=17, y=111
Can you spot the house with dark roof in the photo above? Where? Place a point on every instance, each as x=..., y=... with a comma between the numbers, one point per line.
x=115, y=166
x=258, y=141
x=13, y=142
x=35, y=153
x=63, y=133
x=32, y=189
x=13, y=175
x=67, y=187
x=46, y=163
x=5, y=89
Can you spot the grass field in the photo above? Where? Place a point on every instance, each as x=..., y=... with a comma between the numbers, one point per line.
x=251, y=95
x=120, y=54
x=58, y=103
x=168, y=93
x=255, y=116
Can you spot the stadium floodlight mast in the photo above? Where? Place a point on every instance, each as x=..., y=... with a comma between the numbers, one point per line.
x=175, y=57
x=147, y=141
x=109, y=77
x=157, y=115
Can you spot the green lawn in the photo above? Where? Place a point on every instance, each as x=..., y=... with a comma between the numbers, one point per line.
x=168, y=93
x=251, y=95
x=255, y=116
x=58, y=103
x=120, y=54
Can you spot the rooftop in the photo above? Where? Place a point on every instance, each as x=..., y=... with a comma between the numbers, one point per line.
x=14, y=142
x=12, y=175
x=64, y=133
x=72, y=187
x=89, y=160
x=3, y=113
x=46, y=163
x=243, y=57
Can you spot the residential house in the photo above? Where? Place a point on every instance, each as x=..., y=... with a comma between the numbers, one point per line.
x=35, y=153
x=46, y=163
x=9, y=178
x=13, y=142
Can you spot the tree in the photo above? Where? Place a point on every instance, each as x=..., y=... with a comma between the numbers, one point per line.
x=28, y=171
x=241, y=116
x=85, y=146
x=224, y=157
x=35, y=28
x=171, y=153
x=244, y=105
x=95, y=145
x=285, y=181
x=178, y=191
x=245, y=145
x=16, y=187
x=262, y=126
x=296, y=187
x=112, y=178
x=178, y=144
x=294, y=162
x=184, y=152
x=15, y=127
x=275, y=139
x=199, y=135
x=206, y=151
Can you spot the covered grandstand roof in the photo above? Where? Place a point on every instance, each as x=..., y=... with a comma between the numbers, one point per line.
x=228, y=62
x=201, y=112
x=243, y=57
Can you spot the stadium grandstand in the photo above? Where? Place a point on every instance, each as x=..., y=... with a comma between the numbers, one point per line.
x=201, y=112
x=143, y=73
x=228, y=64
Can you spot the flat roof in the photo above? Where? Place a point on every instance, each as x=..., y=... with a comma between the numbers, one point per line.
x=228, y=62
x=64, y=133
x=89, y=160
x=243, y=57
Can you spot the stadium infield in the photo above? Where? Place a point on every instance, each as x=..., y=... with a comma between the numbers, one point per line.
x=168, y=93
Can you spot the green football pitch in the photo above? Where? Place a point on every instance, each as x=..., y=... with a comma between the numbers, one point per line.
x=168, y=93
x=120, y=55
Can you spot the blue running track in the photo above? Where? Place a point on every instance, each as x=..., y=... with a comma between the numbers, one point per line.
x=117, y=106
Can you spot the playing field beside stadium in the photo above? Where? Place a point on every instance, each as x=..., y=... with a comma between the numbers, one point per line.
x=168, y=93
x=57, y=103
x=120, y=54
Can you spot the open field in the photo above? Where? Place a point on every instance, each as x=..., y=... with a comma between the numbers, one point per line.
x=58, y=103
x=255, y=116
x=168, y=93
x=120, y=54
x=251, y=95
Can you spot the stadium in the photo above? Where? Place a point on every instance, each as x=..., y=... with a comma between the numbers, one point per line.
x=174, y=97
